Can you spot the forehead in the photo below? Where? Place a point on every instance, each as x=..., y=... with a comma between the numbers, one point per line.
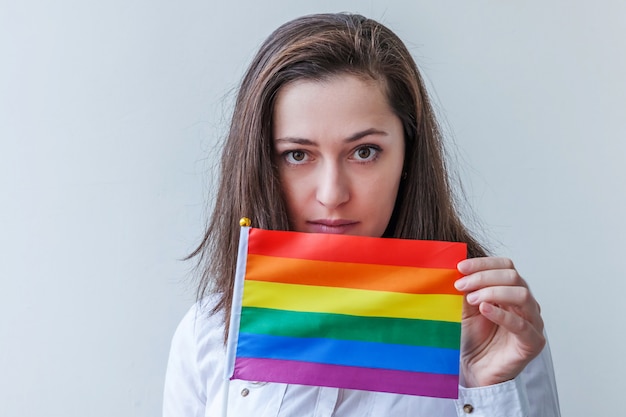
x=344, y=102
x=333, y=80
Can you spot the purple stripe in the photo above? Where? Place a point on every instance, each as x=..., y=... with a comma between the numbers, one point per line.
x=368, y=379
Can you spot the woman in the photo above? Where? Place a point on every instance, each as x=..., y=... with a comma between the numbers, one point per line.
x=333, y=132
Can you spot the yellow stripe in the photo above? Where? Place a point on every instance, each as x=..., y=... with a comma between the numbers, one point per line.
x=356, y=302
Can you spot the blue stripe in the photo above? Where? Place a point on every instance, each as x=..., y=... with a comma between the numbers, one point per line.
x=350, y=353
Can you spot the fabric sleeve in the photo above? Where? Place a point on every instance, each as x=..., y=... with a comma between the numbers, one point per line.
x=532, y=393
x=505, y=399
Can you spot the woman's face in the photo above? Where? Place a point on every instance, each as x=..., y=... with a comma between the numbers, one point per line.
x=340, y=152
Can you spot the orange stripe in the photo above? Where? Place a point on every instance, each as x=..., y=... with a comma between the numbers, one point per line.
x=356, y=249
x=352, y=275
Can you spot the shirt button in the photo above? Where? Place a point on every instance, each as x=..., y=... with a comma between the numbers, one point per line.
x=468, y=408
x=245, y=392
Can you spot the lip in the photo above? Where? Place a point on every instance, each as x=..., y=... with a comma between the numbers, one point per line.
x=334, y=226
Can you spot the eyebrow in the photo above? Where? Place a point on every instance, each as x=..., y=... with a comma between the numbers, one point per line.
x=352, y=138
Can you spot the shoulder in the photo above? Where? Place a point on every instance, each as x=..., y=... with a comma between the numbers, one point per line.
x=195, y=369
x=200, y=336
x=200, y=327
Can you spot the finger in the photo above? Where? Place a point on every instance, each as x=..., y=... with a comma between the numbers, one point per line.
x=512, y=296
x=489, y=278
x=470, y=266
x=529, y=334
x=517, y=300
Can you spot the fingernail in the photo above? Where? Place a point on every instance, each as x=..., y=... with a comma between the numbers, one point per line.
x=459, y=266
x=472, y=298
x=460, y=284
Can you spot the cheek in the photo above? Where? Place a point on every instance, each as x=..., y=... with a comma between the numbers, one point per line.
x=294, y=191
x=386, y=183
x=388, y=200
x=383, y=193
x=377, y=194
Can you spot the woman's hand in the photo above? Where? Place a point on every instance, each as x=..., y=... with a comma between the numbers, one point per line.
x=502, y=328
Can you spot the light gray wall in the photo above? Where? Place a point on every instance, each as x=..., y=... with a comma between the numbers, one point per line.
x=109, y=114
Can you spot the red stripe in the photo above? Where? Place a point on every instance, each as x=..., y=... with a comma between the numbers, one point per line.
x=379, y=380
x=356, y=249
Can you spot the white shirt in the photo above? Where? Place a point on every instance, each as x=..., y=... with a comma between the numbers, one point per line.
x=195, y=384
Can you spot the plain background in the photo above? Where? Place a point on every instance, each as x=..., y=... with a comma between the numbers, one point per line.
x=110, y=117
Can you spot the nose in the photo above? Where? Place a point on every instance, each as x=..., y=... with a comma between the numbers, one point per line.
x=333, y=186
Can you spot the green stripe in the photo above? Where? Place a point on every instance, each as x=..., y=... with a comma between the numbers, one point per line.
x=400, y=331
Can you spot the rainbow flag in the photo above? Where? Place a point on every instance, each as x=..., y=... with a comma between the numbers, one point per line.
x=353, y=312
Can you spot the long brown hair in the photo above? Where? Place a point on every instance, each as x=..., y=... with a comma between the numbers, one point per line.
x=316, y=47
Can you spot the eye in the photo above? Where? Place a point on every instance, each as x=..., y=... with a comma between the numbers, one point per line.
x=295, y=157
x=366, y=153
